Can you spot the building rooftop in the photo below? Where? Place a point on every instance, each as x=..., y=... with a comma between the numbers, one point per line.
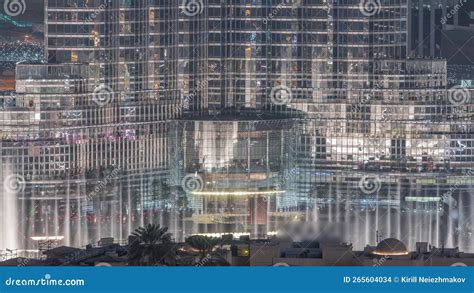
x=391, y=247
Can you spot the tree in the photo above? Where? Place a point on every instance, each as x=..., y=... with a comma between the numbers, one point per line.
x=151, y=246
x=203, y=244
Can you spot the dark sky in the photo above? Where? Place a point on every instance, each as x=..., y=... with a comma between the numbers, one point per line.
x=34, y=11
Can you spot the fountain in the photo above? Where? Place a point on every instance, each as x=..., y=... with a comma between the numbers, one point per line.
x=9, y=218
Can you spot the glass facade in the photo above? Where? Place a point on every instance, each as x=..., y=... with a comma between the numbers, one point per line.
x=237, y=116
x=233, y=172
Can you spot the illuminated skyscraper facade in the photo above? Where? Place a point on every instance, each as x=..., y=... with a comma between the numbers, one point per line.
x=302, y=110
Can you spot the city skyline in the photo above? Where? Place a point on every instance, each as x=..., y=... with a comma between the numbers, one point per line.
x=248, y=117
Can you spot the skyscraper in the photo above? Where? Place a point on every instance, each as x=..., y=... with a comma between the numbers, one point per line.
x=274, y=111
x=439, y=28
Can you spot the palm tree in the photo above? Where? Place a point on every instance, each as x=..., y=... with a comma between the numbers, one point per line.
x=151, y=246
x=203, y=244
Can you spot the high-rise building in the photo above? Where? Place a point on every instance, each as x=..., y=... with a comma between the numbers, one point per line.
x=84, y=138
x=440, y=28
x=245, y=49
x=133, y=42
x=382, y=141
x=216, y=117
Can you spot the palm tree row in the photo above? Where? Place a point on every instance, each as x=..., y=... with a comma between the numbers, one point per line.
x=152, y=246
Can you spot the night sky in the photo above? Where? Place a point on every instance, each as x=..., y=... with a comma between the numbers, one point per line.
x=34, y=13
